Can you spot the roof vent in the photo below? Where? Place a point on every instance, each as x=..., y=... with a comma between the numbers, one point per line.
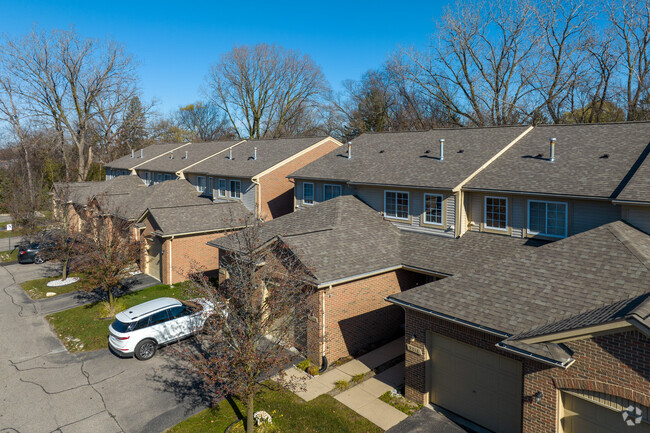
x=187, y=154
x=427, y=151
x=552, y=151
x=255, y=153
x=230, y=153
x=171, y=155
x=461, y=151
x=349, y=150
x=381, y=151
x=442, y=149
x=132, y=153
x=141, y=153
x=605, y=156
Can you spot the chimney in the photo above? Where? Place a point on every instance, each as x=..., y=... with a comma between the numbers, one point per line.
x=255, y=154
x=442, y=149
x=552, y=152
x=349, y=150
x=132, y=153
x=141, y=153
x=186, y=154
x=230, y=153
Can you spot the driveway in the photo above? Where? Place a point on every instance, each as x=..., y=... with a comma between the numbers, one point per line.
x=43, y=388
x=427, y=420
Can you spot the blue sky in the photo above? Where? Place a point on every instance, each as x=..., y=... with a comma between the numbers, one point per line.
x=176, y=42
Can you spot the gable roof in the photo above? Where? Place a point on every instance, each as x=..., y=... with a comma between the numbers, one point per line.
x=198, y=218
x=148, y=153
x=637, y=190
x=80, y=192
x=545, y=285
x=591, y=160
x=178, y=192
x=176, y=161
x=343, y=238
x=243, y=164
x=412, y=158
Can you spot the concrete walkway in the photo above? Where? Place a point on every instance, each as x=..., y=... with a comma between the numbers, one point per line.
x=362, y=398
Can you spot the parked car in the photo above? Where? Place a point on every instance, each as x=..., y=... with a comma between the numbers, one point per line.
x=141, y=329
x=35, y=252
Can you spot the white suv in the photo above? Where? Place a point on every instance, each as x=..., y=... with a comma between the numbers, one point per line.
x=139, y=330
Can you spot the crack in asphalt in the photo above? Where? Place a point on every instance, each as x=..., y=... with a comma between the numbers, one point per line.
x=58, y=429
x=13, y=300
x=87, y=375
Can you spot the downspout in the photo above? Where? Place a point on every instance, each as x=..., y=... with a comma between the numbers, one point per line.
x=324, y=358
x=258, y=198
x=170, y=260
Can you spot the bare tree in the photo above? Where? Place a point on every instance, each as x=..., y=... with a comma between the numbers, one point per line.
x=263, y=88
x=107, y=248
x=205, y=122
x=630, y=21
x=263, y=301
x=69, y=82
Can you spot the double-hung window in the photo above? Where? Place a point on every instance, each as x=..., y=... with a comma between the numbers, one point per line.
x=396, y=204
x=235, y=189
x=223, y=188
x=200, y=184
x=432, y=209
x=548, y=218
x=308, y=193
x=496, y=213
x=331, y=191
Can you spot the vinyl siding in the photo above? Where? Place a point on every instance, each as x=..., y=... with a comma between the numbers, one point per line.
x=638, y=216
x=591, y=214
x=318, y=191
x=517, y=213
x=476, y=212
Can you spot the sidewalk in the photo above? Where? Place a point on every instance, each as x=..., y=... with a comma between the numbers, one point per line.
x=363, y=398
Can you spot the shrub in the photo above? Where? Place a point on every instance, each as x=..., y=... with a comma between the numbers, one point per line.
x=341, y=385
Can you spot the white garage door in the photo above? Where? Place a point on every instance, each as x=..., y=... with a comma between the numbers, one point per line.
x=476, y=384
x=584, y=416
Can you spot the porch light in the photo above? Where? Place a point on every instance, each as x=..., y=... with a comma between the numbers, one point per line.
x=538, y=396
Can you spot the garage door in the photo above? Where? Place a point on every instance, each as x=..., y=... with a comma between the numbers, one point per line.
x=155, y=253
x=475, y=384
x=584, y=416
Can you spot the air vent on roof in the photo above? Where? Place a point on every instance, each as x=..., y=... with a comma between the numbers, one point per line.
x=552, y=151
x=349, y=150
x=230, y=153
x=171, y=155
x=141, y=153
x=381, y=151
x=605, y=156
x=255, y=153
x=442, y=149
x=187, y=154
x=461, y=151
x=132, y=153
x=427, y=151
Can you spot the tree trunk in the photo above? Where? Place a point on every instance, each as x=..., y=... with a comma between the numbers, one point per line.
x=64, y=273
x=111, y=300
x=250, y=421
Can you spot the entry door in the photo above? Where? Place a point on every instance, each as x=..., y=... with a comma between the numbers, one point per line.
x=482, y=386
x=155, y=258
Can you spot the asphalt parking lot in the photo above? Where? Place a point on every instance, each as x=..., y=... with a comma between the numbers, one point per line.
x=45, y=389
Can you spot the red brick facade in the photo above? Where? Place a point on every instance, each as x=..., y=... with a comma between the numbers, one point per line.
x=277, y=191
x=615, y=364
x=357, y=316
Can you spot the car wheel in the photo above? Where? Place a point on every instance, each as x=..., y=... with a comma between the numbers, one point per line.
x=145, y=349
x=38, y=259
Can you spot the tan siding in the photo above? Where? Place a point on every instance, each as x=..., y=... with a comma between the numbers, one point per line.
x=591, y=214
x=476, y=211
x=517, y=221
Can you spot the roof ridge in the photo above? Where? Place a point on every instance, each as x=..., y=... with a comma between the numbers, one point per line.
x=628, y=243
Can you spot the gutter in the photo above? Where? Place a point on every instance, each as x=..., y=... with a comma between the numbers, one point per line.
x=631, y=202
x=548, y=361
x=163, y=235
x=536, y=194
x=429, y=187
x=358, y=277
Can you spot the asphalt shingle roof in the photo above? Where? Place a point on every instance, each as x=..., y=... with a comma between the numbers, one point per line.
x=195, y=152
x=344, y=237
x=149, y=152
x=591, y=160
x=269, y=153
x=638, y=188
x=412, y=158
x=199, y=217
x=80, y=192
x=545, y=285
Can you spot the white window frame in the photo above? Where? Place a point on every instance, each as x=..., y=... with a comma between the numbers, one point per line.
x=485, y=221
x=222, y=191
x=333, y=187
x=424, y=207
x=313, y=190
x=566, y=218
x=230, y=189
x=408, y=205
x=199, y=186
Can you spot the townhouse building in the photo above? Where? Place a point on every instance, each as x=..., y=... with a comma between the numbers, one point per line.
x=515, y=261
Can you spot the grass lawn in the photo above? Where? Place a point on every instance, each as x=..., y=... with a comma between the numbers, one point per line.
x=36, y=289
x=290, y=413
x=80, y=329
x=9, y=256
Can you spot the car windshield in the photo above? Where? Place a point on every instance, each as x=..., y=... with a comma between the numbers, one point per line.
x=120, y=326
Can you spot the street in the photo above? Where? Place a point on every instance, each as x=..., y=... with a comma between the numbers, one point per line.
x=47, y=389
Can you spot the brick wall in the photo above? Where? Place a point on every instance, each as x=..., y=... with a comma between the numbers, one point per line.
x=190, y=253
x=617, y=364
x=356, y=315
x=277, y=190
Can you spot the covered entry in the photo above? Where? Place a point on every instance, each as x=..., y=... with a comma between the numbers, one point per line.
x=588, y=412
x=154, y=257
x=482, y=386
